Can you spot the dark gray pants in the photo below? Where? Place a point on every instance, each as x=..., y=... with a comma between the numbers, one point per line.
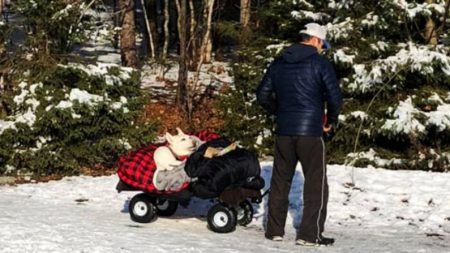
x=310, y=151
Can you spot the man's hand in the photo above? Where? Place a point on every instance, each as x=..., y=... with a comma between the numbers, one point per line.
x=328, y=132
x=327, y=128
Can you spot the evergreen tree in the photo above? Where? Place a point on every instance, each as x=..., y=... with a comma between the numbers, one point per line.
x=50, y=28
x=396, y=85
x=59, y=117
x=72, y=116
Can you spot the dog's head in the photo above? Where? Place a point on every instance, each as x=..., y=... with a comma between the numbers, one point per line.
x=182, y=144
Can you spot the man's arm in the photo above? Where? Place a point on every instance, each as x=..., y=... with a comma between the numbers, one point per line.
x=332, y=92
x=265, y=92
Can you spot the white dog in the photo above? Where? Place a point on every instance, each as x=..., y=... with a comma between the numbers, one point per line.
x=170, y=160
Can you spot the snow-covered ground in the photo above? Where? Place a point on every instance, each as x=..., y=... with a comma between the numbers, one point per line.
x=386, y=211
x=161, y=81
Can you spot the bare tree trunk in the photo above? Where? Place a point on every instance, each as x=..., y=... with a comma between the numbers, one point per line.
x=206, y=48
x=245, y=13
x=430, y=29
x=128, y=34
x=182, y=91
x=149, y=30
x=166, y=28
x=245, y=20
x=116, y=20
x=193, y=40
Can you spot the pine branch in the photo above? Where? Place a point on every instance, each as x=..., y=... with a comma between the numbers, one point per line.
x=358, y=133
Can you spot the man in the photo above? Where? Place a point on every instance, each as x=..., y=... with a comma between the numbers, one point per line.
x=295, y=88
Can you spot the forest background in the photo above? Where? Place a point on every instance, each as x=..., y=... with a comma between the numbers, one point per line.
x=66, y=111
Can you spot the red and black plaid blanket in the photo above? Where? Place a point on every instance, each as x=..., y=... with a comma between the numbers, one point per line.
x=136, y=169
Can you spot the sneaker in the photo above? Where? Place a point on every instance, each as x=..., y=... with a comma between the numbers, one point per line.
x=276, y=238
x=324, y=241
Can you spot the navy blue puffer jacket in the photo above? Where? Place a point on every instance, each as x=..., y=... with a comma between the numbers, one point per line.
x=296, y=87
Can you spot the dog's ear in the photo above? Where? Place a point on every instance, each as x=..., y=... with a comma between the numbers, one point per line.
x=180, y=132
x=169, y=138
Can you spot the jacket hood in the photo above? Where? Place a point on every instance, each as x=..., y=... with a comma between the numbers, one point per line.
x=298, y=52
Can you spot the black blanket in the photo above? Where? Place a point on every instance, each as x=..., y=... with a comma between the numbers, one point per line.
x=238, y=167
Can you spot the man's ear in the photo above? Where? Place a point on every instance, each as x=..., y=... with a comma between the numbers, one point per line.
x=169, y=138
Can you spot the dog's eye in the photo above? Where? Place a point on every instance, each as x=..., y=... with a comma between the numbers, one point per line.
x=183, y=139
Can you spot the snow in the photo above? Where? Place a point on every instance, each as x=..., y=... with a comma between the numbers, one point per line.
x=277, y=48
x=440, y=117
x=161, y=80
x=359, y=114
x=405, y=120
x=379, y=46
x=420, y=59
x=436, y=98
x=340, y=56
x=340, y=30
x=28, y=118
x=89, y=99
x=370, y=20
x=63, y=13
x=413, y=9
x=372, y=155
x=6, y=125
x=386, y=211
x=84, y=97
x=309, y=15
x=306, y=3
x=101, y=69
x=406, y=117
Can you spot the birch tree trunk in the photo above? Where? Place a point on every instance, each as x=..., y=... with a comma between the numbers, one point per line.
x=430, y=29
x=166, y=29
x=128, y=34
x=149, y=30
x=245, y=20
x=245, y=13
x=182, y=91
x=206, y=48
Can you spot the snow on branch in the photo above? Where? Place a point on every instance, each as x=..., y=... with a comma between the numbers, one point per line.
x=340, y=30
x=413, y=9
x=309, y=15
x=343, y=4
x=27, y=100
x=440, y=118
x=405, y=120
x=341, y=56
x=421, y=59
x=306, y=3
x=406, y=117
x=372, y=156
x=63, y=13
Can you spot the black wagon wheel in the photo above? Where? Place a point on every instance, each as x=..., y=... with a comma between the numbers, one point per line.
x=142, y=209
x=165, y=207
x=221, y=219
x=244, y=213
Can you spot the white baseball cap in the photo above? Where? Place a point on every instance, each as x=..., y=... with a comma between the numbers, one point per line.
x=319, y=31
